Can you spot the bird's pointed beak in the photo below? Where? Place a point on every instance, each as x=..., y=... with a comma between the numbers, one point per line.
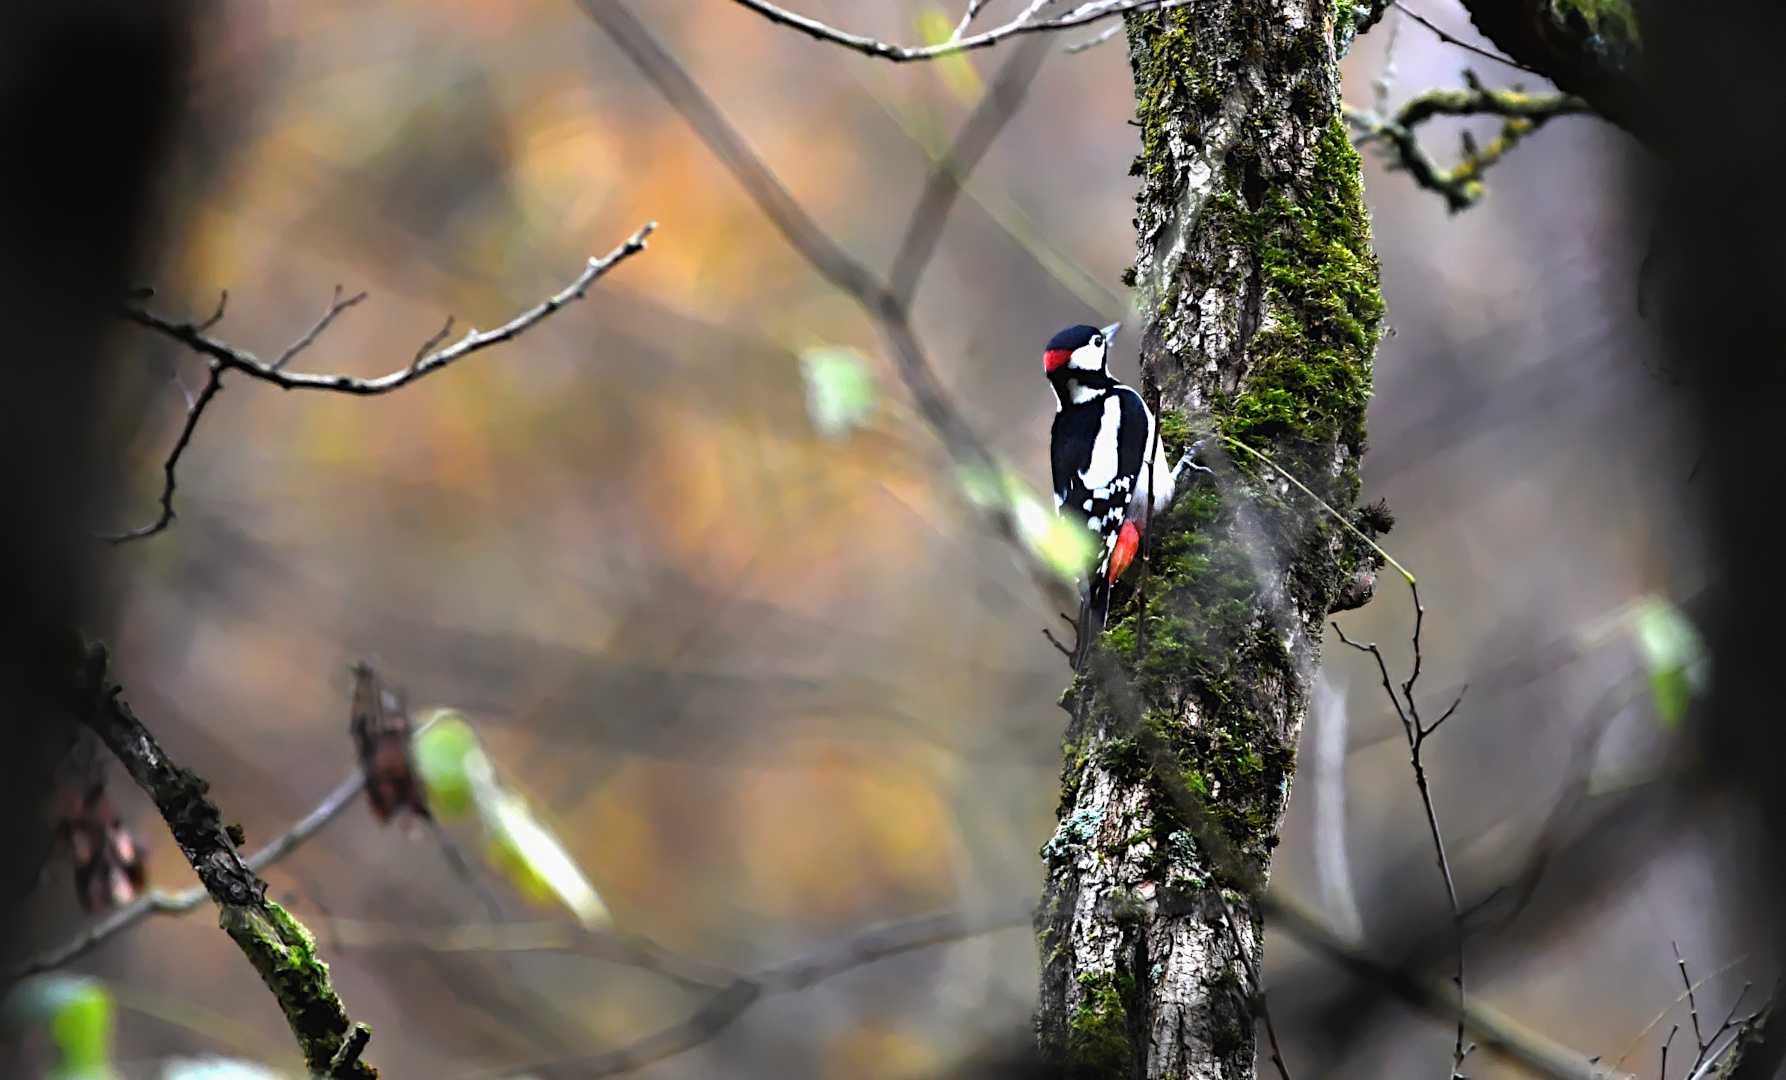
x=1109, y=332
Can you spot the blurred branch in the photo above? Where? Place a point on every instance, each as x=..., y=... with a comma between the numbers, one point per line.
x=631, y=950
x=162, y=902
x=1521, y=113
x=278, y=946
x=1004, y=211
x=223, y=357
x=995, y=108
x=836, y=265
x=721, y=1010
x=1495, y=1031
x=1027, y=21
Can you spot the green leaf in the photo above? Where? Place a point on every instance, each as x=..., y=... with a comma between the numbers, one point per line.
x=1067, y=550
x=1674, y=654
x=440, y=748
x=78, y=1014
x=935, y=27
x=460, y=777
x=527, y=851
x=840, y=389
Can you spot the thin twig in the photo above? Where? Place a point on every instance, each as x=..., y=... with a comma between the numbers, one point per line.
x=161, y=902
x=169, y=468
x=216, y=316
x=336, y=306
x=1407, y=708
x=223, y=356
x=967, y=17
x=1451, y=39
x=1106, y=35
x=1663, y=1015
x=1692, y=1001
x=723, y=1008
x=1024, y=23
x=237, y=359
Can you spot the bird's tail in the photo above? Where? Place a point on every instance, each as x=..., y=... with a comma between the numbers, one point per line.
x=1094, y=608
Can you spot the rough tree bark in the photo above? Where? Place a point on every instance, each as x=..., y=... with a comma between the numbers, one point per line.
x=1255, y=270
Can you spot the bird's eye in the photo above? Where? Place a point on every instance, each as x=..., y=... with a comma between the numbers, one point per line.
x=1097, y=339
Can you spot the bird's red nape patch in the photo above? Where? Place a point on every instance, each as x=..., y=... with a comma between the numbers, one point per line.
x=1126, y=542
x=1054, y=358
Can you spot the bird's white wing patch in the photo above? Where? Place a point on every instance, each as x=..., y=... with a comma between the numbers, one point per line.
x=1101, y=469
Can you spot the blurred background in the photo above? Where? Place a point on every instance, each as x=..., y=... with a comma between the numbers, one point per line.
x=774, y=685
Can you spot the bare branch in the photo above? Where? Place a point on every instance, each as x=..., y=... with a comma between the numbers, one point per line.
x=233, y=358
x=1103, y=36
x=224, y=357
x=195, y=408
x=161, y=902
x=1521, y=113
x=278, y=946
x=1026, y=22
x=336, y=307
x=503, y=937
x=1407, y=709
x=725, y=1007
x=1451, y=39
x=216, y=316
x=967, y=17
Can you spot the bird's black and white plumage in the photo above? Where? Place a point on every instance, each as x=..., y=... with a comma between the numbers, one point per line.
x=1106, y=458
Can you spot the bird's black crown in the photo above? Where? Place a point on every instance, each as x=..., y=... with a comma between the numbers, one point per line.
x=1072, y=337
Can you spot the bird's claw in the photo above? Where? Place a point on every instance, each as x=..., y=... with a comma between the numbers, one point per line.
x=1190, y=458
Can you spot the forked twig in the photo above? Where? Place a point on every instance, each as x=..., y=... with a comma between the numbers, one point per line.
x=222, y=356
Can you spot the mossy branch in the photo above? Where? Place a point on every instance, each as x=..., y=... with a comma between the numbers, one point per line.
x=1521, y=115
x=275, y=943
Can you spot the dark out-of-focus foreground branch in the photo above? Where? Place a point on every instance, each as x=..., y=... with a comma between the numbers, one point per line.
x=1713, y=66
x=90, y=91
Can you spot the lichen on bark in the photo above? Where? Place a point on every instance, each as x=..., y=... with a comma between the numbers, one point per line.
x=1262, y=309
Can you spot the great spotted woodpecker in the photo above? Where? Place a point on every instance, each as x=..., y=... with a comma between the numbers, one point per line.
x=1106, y=458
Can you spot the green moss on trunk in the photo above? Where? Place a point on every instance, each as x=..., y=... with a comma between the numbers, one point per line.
x=1264, y=310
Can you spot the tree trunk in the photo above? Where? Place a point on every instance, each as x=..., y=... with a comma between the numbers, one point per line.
x=1255, y=271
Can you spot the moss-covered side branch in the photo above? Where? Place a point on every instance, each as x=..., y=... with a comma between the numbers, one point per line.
x=1521, y=114
x=275, y=943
